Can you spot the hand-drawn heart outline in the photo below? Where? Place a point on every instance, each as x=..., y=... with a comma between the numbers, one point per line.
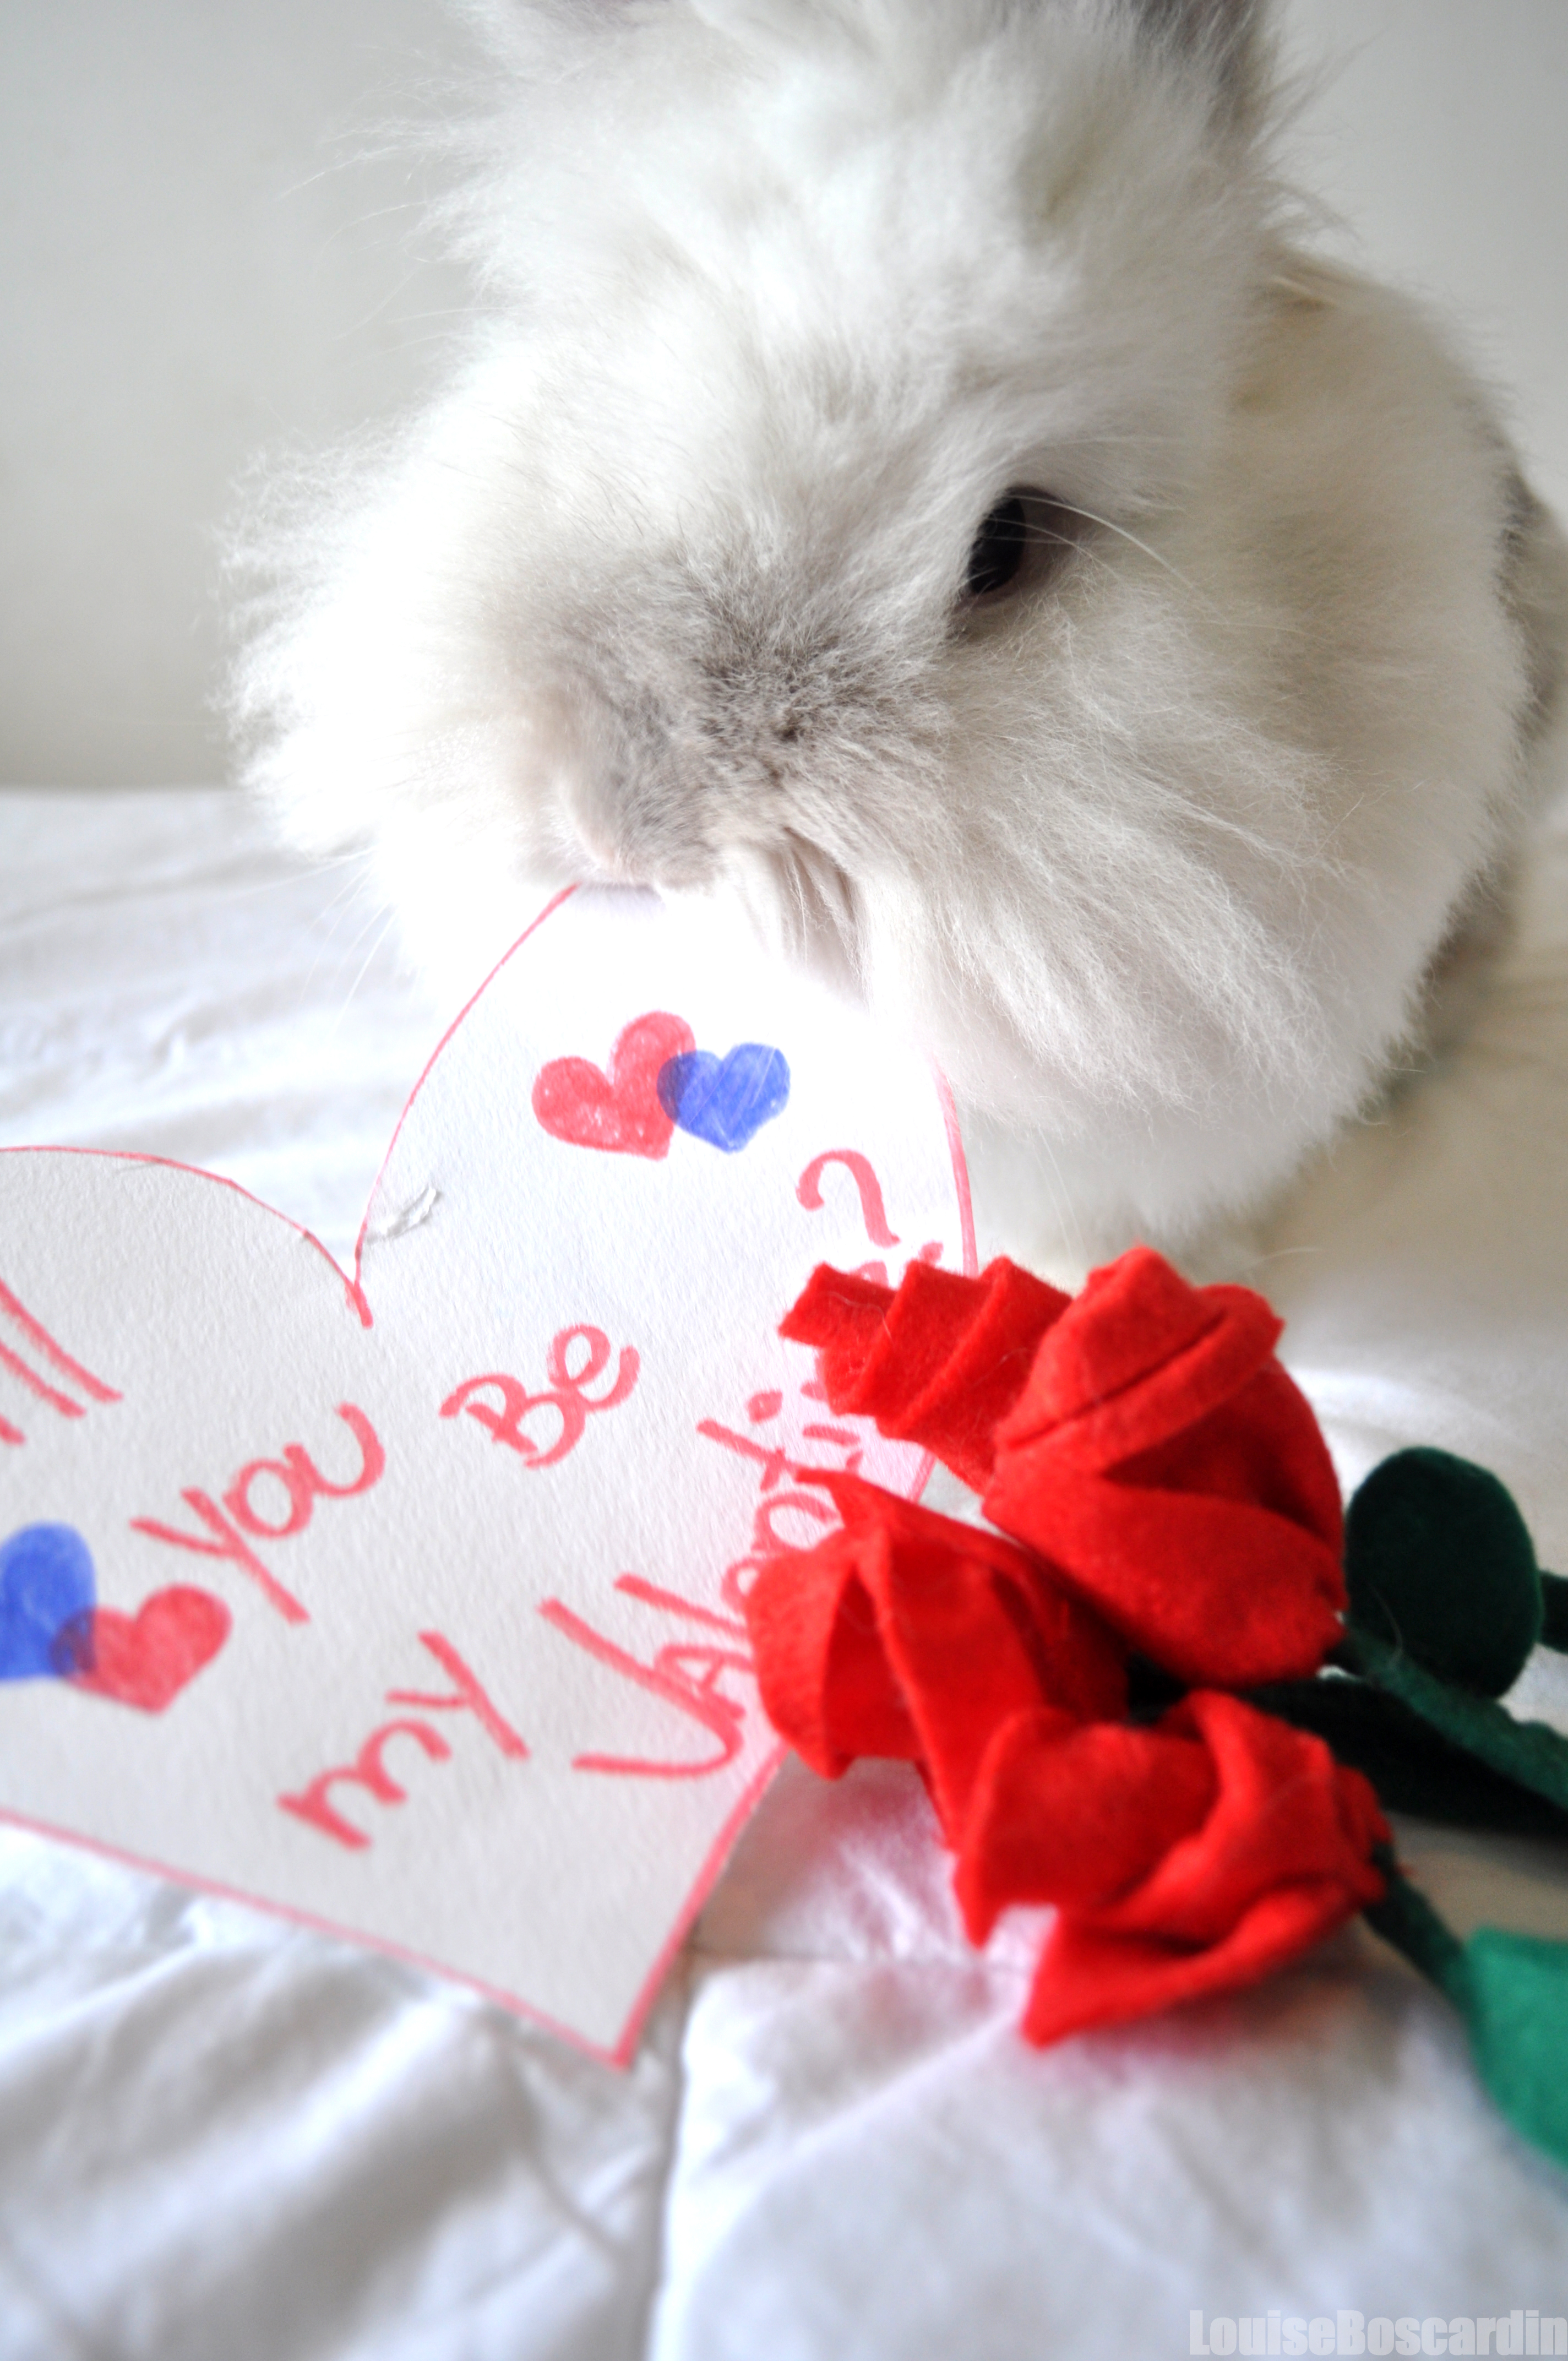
x=47, y=1579
x=145, y=1659
x=619, y=1112
x=725, y=1100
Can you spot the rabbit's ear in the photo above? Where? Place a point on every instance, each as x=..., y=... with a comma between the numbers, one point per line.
x=1229, y=38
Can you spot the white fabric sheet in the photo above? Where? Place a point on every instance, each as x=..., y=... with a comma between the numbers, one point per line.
x=222, y=2136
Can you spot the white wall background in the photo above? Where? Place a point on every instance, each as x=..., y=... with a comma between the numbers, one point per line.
x=193, y=267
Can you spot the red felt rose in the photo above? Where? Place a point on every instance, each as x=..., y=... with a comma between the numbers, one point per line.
x=910, y=1635
x=1169, y=1471
x=939, y=1363
x=1141, y=1437
x=1195, y=1857
x=1170, y=1488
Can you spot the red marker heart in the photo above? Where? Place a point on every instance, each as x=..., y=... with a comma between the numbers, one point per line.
x=146, y=1659
x=620, y=1111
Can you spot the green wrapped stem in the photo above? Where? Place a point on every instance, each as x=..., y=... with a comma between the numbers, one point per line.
x=1527, y=1751
x=1512, y=1993
x=1405, y=1919
x=1414, y=1767
x=1554, y=1612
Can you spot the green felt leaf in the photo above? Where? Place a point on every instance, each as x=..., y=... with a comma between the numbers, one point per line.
x=1511, y=1991
x=1517, y=2012
x=1439, y=1563
x=1528, y=1751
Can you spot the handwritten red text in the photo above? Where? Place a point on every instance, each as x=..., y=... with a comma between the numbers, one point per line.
x=289, y=1488
x=565, y=1401
x=873, y=1212
x=685, y=1673
x=368, y=1771
x=67, y=1379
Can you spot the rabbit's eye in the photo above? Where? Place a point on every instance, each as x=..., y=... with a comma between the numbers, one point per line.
x=1020, y=545
x=997, y=551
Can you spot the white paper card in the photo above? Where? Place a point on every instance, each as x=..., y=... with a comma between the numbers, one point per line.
x=408, y=1605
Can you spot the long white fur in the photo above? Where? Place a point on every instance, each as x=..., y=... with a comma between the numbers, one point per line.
x=782, y=295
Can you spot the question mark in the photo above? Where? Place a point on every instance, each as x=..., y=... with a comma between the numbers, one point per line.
x=873, y=1214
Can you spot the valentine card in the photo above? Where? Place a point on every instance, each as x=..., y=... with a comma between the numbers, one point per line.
x=409, y=1603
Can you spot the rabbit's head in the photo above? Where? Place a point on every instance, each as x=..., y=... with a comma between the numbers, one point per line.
x=900, y=489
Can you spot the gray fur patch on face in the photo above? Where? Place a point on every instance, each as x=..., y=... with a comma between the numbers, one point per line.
x=722, y=715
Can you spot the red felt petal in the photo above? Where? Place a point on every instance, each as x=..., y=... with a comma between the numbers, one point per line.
x=1172, y=1475
x=1090, y=1977
x=1281, y=1858
x=821, y=1669
x=1264, y=1445
x=1074, y=1815
x=1215, y=1590
x=970, y=1633
x=930, y=1311
x=1138, y=1357
x=953, y=1623
x=1286, y=1812
x=842, y=1315
x=974, y=1353
x=940, y=1363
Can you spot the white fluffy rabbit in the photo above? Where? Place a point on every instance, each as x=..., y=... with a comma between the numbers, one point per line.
x=907, y=481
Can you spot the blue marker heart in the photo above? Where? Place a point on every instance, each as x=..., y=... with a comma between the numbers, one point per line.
x=46, y=1579
x=725, y=1100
